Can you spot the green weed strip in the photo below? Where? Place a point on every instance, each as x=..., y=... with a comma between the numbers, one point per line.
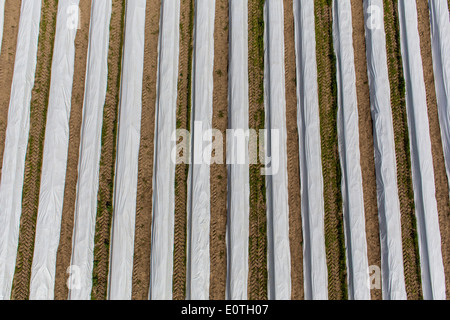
x=411, y=258
x=334, y=228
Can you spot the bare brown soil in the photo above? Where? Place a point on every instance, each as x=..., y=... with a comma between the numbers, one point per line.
x=218, y=173
x=366, y=141
x=38, y=117
x=293, y=164
x=334, y=234
x=142, y=244
x=7, y=58
x=411, y=259
x=440, y=177
x=65, y=244
x=257, y=282
x=183, y=122
x=108, y=154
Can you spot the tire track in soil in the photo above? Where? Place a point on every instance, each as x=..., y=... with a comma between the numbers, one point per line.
x=257, y=287
x=366, y=141
x=411, y=260
x=440, y=174
x=219, y=173
x=108, y=154
x=142, y=246
x=293, y=161
x=65, y=245
x=183, y=122
x=7, y=59
x=334, y=233
x=33, y=162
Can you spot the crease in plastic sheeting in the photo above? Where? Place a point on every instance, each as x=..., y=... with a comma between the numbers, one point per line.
x=198, y=203
x=48, y=224
x=161, y=281
x=90, y=149
x=238, y=183
x=431, y=263
x=348, y=132
x=278, y=252
x=2, y=16
x=393, y=283
x=308, y=123
x=440, y=43
x=128, y=142
x=16, y=141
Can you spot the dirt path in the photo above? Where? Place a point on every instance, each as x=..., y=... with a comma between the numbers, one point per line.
x=411, y=260
x=7, y=58
x=440, y=176
x=257, y=287
x=183, y=122
x=38, y=117
x=65, y=244
x=108, y=154
x=293, y=162
x=142, y=244
x=366, y=142
x=334, y=233
x=218, y=175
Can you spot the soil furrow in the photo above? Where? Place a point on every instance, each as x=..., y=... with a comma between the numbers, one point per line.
x=293, y=162
x=65, y=244
x=411, y=260
x=366, y=142
x=334, y=233
x=7, y=58
x=183, y=122
x=108, y=154
x=219, y=173
x=33, y=162
x=257, y=289
x=142, y=245
x=440, y=178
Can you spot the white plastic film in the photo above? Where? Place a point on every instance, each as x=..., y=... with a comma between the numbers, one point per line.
x=161, y=276
x=128, y=142
x=238, y=170
x=429, y=237
x=54, y=164
x=81, y=266
x=393, y=281
x=198, y=203
x=348, y=132
x=278, y=252
x=315, y=271
x=16, y=141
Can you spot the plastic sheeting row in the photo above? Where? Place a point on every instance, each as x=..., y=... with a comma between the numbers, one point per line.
x=128, y=142
x=198, y=202
x=90, y=148
x=432, y=268
x=385, y=161
x=440, y=43
x=54, y=163
x=238, y=183
x=16, y=141
x=348, y=132
x=164, y=169
x=314, y=254
x=278, y=252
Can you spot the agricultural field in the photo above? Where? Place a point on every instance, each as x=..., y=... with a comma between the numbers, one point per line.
x=224, y=150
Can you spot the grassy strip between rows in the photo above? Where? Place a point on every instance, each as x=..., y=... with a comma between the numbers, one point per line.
x=402, y=148
x=33, y=162
x=334, y=224
x=182, y=170
x=258, y=224
x=107, y=161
